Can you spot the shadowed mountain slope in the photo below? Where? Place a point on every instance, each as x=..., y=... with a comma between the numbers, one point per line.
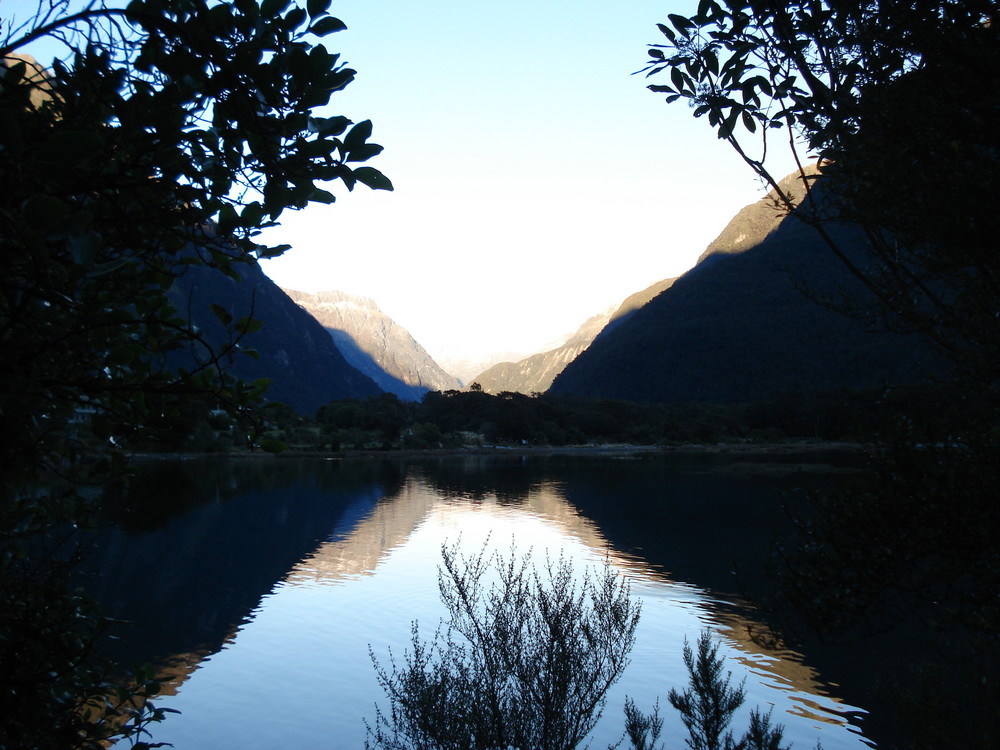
x=745, y=323
x=535, y=374
x=375, y=344
x=298, y=356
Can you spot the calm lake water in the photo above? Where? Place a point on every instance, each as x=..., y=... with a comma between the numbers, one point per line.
x=257, y=587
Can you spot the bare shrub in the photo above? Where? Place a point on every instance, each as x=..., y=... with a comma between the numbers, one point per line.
x=524, y=661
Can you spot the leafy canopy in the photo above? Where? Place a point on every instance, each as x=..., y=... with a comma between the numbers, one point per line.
x=898, y=101
x=165, y=135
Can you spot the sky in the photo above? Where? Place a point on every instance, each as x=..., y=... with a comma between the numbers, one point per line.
x=537, y=181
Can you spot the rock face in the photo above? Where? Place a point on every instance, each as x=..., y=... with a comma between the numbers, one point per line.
x=298, y=356
x=746, y=323
x=535, y=374
x=374, y=344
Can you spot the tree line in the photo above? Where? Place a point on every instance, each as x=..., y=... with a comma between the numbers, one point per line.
x=474, y=419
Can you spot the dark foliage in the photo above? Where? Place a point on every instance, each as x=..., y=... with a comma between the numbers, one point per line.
x=524, y=661
x=454, y=419
x=912, y=554
x=164, y=137
x=708, y=703
x=899, y=102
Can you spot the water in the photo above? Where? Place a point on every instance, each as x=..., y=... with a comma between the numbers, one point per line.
x=258, y=588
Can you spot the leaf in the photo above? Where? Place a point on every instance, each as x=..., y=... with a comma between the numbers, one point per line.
x=271, y=8
x=273, y=251
x=295, y=18
x=667, y=32
x=364, y=152
x=259, y=387
x=764, y=85
x=372, y=178
x=328, y=125
x=317, y=7
x=708, y=9
x=327, y=25
x=680, y=23
x=711, y=61
x=318, y=195
x=222, y=314
x=358, y=135
x=247, y=325
x=728, y=125
x=252, y=214
x=43, y=210
x=227, y=219
x=14, y=73
x=678, y=78
x=83, y=248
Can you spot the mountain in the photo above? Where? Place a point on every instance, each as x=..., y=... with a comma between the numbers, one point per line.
x=375, y=344
x=536, y=373
x=747, y=322
x=305, y=368
x=636, y=301
x=467, y=368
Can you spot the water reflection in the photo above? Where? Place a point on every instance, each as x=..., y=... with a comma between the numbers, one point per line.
x=261, y=591
x=357, y=550
x=197, y=544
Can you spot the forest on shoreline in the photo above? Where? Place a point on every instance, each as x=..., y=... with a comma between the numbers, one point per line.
x=475, y=420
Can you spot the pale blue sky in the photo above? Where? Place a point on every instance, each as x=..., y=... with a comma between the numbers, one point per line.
x=537, y=181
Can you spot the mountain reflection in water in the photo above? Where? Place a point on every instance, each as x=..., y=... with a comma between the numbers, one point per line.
x=258, y=587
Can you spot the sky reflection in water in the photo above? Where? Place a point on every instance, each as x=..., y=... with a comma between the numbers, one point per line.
x=297, y=672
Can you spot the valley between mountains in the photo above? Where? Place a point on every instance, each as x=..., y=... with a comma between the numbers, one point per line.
x=766, y=310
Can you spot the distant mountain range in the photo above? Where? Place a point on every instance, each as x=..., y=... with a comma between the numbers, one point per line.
x=744, y=324
x=747, y=323
x=468, y=368
x=535, y=374
x=313, y=347
x=298, y=355
x=375, y=344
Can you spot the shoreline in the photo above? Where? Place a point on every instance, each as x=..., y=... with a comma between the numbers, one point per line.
x=784, y=448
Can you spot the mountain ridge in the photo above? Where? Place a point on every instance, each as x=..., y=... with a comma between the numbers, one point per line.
x=304, y=366
x=738, y=326
x=375, y=344
x=535, y=373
